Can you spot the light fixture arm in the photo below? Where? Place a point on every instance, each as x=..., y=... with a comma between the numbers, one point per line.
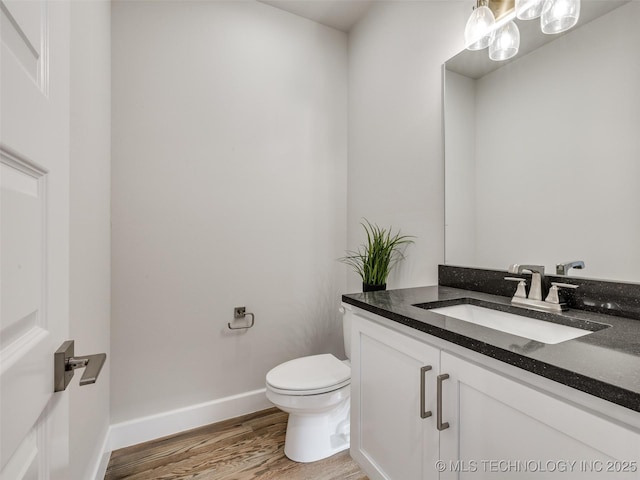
x=500, y=8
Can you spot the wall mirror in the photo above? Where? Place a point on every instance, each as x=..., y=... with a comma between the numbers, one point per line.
x=542, y=152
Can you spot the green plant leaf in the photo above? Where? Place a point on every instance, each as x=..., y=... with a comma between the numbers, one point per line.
x=382, y=250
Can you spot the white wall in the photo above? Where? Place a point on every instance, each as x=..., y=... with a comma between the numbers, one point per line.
x=396, y=171
x=557, y=153
x=90, y=227
x=229, y=189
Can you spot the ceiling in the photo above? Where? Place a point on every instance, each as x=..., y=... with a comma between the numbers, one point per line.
x=339, y=14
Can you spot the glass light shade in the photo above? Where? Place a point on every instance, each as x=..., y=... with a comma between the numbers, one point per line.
x=528, y=9
x=479, y=30
x=559, y=15
x=506, y=42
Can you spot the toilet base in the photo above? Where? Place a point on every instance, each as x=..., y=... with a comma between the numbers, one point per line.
x=312, y=437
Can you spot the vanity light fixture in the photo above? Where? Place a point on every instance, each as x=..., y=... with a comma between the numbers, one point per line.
x=559, y=15
x=478, y=32
x=491, y=23
x=528, y=9
x=506, y=42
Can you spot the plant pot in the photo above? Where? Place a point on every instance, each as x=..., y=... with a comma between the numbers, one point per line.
x=373, y=288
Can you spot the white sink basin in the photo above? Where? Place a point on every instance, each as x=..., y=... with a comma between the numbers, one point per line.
x=531, y=328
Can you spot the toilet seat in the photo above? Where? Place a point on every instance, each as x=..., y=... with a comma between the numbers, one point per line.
x=311, y=375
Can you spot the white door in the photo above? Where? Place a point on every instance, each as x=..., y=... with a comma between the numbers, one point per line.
x=34, y=179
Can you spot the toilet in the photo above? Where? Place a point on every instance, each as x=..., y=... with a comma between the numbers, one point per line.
x=315, y=392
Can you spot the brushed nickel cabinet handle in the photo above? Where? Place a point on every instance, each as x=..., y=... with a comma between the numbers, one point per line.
x=423, y=370
x=439, y=424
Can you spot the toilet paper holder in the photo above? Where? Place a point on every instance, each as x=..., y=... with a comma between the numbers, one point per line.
x=241, y=312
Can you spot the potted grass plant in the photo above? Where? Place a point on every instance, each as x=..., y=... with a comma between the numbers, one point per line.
x=374, y=259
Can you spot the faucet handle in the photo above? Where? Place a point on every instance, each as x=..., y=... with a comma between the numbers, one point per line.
x=553, y=291
x=565, y=285
x=521, y=291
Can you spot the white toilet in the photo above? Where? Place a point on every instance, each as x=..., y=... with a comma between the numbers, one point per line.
x=315, y=392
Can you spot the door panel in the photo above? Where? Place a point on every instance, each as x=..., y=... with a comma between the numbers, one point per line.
x=24, y=463
x=22, y=31
x=24, y=346
x=26, y=20
x=390, y=439
x=34, y=234
x=501, y=428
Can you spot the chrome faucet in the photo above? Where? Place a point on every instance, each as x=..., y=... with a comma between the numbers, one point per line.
x=552, y=301
x=563, y=268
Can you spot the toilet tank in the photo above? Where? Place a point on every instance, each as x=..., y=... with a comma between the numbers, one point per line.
x=346, y=329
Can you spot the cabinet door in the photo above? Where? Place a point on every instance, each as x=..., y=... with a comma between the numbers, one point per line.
x=390, y=438
x=501, y=428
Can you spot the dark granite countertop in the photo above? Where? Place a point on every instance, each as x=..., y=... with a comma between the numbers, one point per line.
x=605, y=363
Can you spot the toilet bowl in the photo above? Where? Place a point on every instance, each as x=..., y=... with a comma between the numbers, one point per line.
x=315, y=392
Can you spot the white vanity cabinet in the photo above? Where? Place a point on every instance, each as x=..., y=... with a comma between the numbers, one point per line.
x=498, y=426
x=501, y=428
x=393, y=434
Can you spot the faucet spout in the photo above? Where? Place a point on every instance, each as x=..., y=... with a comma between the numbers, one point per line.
x=563, y=268
x=516, y=268
x=535, y=292
x=537, y=271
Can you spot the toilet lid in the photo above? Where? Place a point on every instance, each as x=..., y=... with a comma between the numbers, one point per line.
x=316, y=372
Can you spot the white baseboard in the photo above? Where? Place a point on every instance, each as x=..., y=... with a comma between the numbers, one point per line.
x=148, y=428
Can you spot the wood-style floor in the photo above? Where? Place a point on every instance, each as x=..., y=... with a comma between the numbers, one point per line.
x=243, y=448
